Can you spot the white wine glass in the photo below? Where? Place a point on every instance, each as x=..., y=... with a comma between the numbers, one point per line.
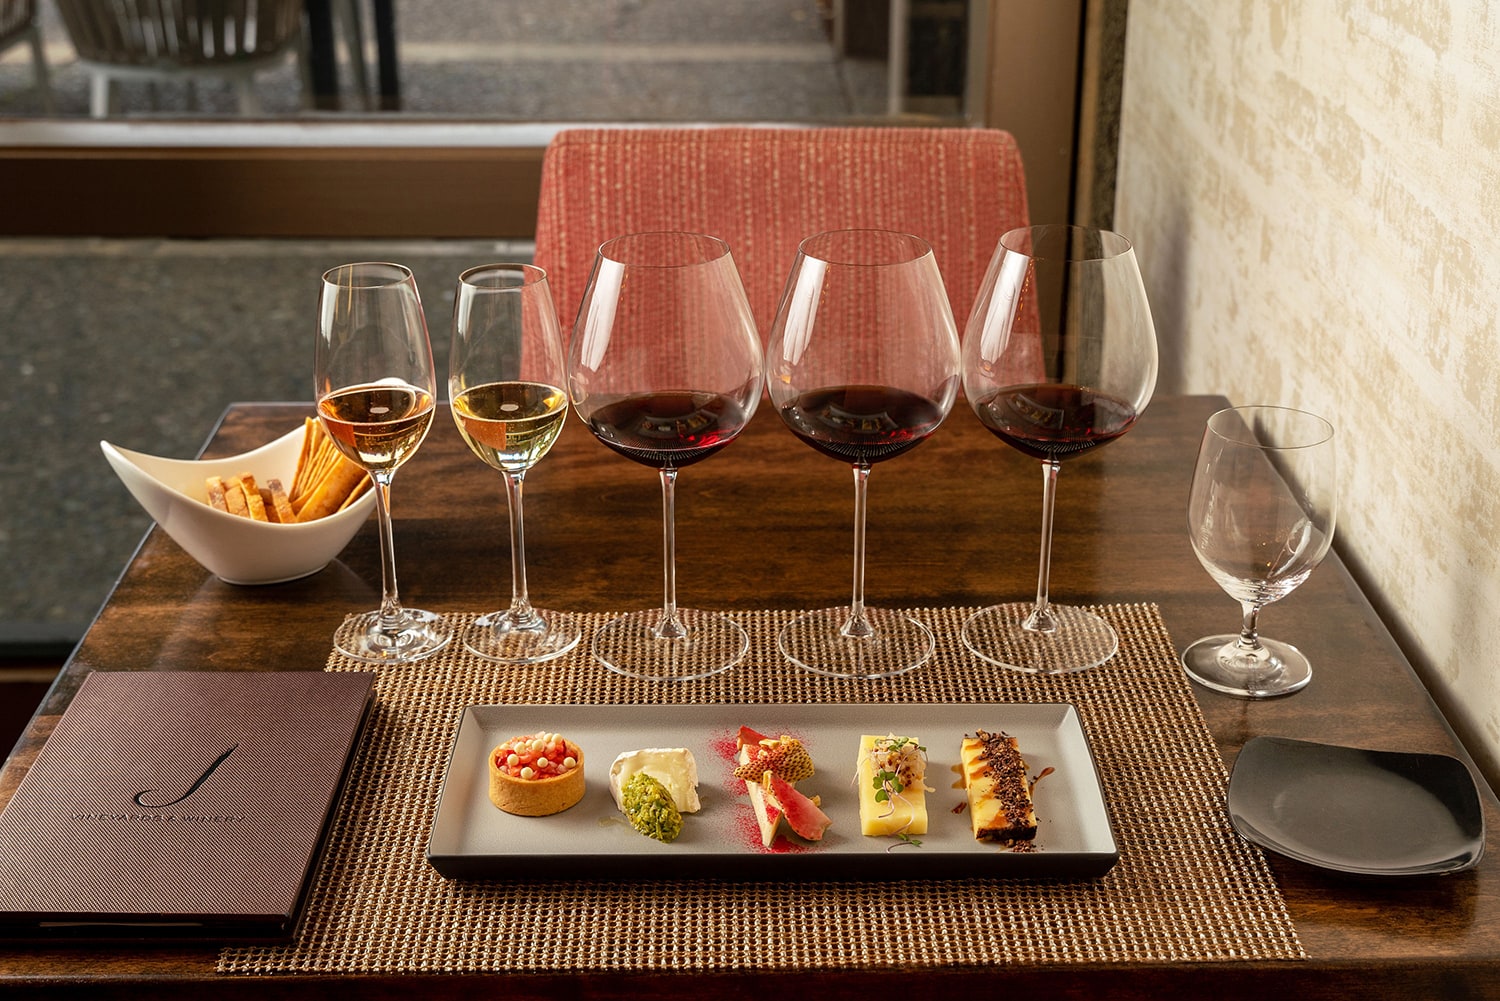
x=1060, y=359
x=1261, y=517
x=863, y=365
x=506, y=372
x=376, y=391
x=665, y=368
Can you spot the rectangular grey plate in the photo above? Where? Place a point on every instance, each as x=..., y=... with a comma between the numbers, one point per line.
x=471, y=839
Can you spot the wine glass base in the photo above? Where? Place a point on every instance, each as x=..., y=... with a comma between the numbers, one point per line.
x=814, y=642
x=1081, y=640
x=1215, y=662
x=629, y=645
x=500, y=637
x=422, y=635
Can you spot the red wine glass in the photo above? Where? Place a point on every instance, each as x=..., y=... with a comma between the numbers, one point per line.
x=1059, y=360
x=665, y=368
x=863, y=365
x=375, y=389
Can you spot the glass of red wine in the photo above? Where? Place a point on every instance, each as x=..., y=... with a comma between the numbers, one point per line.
x=862, y=364
x=375, y=389
x=665, y=367
x=1059, y=359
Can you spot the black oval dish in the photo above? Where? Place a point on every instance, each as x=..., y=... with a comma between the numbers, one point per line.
x=1375, y=813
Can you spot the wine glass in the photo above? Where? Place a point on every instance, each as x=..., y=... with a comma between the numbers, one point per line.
x=1059, y=359
x=665, y=368
x=505, y=377
x=1261, y=517
x=862, y=364
x=375, y=392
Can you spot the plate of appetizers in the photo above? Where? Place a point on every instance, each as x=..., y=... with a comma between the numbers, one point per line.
x=1367, y=812
x=768, y=791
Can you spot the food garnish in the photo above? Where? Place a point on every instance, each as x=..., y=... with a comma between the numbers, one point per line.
x=784, y=755
x=650, y=809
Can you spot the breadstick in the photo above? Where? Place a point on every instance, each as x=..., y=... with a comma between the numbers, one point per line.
x=331, y=490
x=309, y=430
x=359, y=491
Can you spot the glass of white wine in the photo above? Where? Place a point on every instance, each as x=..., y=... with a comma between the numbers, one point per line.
x=505, y=378
x=375, y=391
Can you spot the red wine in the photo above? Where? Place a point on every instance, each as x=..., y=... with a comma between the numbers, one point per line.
x=862, y=424
x=1054, y=422
x=668, y=430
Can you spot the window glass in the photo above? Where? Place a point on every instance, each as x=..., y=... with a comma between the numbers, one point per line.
x=500, y=60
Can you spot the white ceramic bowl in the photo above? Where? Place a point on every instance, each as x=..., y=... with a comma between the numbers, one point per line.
x=236, y=549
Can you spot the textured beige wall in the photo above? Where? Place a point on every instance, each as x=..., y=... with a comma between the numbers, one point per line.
x=1314, y=194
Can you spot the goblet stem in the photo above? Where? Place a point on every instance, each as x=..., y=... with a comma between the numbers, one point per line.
x=521, y=612
x=1249, y=643
x=392, y=618
x=858, y=625
x=670, y=627
x=1041, y=619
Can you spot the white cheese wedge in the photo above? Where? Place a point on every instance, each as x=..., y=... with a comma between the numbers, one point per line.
x=673, y=767
x=902, y=813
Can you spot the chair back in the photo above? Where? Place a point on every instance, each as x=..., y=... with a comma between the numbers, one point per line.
x=764, y=190
x=16, y=17
x=173, y=34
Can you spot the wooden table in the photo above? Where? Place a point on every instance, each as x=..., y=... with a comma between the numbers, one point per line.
x=767, y=524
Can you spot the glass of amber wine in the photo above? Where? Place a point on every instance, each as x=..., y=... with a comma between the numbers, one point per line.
x=375, y=390
x=505, y=378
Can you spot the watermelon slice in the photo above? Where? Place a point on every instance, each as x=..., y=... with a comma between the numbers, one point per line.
x=748, y=737
x=801, y=813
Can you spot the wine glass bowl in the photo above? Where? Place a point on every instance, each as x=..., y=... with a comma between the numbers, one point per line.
x=375, y=392
x=506, y=375
x=1060, y=359
x=862, y=365
x=1261, y=517
x=665, y=368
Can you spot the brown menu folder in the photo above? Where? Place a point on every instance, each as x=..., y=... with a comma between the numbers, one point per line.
x=179, y=804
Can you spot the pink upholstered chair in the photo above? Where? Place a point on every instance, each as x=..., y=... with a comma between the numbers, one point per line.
x=763, y=190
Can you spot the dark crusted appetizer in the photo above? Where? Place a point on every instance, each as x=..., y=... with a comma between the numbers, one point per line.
x=999, y=790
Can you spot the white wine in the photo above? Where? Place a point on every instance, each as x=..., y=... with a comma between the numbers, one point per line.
x=378, y=426
x=510, y=425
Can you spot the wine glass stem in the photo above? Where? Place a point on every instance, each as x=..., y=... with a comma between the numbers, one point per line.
x=1249, y=642
x=858, y=625
x=520, y=602
x=1041, y=619
x=392, y=619
x=670, y=627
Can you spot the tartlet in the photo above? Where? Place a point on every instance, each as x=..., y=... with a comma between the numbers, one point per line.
x=536, y=775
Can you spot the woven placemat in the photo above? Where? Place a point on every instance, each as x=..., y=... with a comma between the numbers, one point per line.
x=1186, y=887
